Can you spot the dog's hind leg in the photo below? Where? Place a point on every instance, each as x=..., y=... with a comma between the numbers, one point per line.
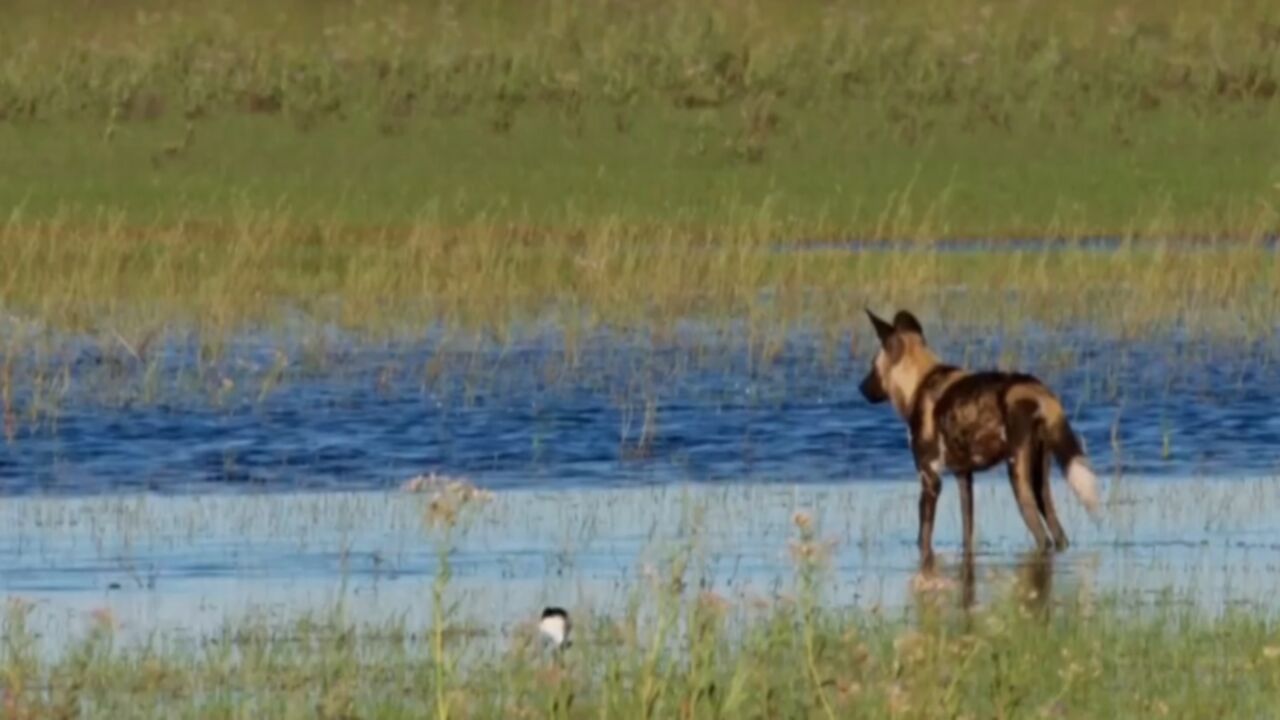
x=965, y=482
x=1044, y=495
x=930, y=488
x=1022, y=441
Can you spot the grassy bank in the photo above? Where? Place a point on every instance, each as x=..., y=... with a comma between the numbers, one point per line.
x=953, y=118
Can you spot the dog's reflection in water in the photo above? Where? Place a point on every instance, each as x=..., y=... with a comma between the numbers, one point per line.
x=1032, y=574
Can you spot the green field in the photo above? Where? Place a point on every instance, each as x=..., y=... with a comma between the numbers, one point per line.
x=921, y=119
x=827, y=173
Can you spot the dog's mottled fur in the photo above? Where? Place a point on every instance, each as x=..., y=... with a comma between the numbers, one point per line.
x=965, y=422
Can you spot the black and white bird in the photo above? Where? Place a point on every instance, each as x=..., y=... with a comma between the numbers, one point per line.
x=555, y=626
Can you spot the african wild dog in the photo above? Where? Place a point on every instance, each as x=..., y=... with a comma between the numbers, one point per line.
x=966, y=422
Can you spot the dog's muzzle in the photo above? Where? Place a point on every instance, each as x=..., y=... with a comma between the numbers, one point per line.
x=871, y=388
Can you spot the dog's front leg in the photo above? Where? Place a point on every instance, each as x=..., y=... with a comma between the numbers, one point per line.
x=964, y=481
x=930, y=488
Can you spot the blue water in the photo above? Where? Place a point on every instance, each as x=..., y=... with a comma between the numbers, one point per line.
x=366, y=416
x=188, y=492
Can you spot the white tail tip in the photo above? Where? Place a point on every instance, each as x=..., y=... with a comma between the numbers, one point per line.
x=1084, y=483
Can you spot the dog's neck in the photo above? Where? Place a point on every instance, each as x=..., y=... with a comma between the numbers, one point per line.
x=908, y=377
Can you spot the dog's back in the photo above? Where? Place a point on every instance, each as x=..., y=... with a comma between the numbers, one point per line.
x=983, y=417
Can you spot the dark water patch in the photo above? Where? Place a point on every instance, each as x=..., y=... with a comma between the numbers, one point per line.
x=615, y=413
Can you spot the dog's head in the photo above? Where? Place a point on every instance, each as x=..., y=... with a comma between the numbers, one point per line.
x=895, y=370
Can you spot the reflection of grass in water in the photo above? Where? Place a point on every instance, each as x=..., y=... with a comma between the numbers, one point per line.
x=678, y=650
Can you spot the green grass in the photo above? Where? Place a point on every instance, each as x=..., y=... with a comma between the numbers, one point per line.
x=825, y=176
x=1006, y=662
x=964, y=118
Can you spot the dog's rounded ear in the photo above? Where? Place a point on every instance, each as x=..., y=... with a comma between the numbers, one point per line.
x=883, y=329
x=906, y=322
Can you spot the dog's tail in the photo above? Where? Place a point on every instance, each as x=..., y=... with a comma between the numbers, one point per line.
x=1065, y=445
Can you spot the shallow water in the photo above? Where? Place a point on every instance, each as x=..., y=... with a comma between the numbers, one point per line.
x=173, y=569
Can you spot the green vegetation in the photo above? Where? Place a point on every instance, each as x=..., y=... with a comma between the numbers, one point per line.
x=120, y=282
x=786, y=662
x=954, y=118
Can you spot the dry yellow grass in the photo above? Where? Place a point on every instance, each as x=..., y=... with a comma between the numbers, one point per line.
x=499, y=278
